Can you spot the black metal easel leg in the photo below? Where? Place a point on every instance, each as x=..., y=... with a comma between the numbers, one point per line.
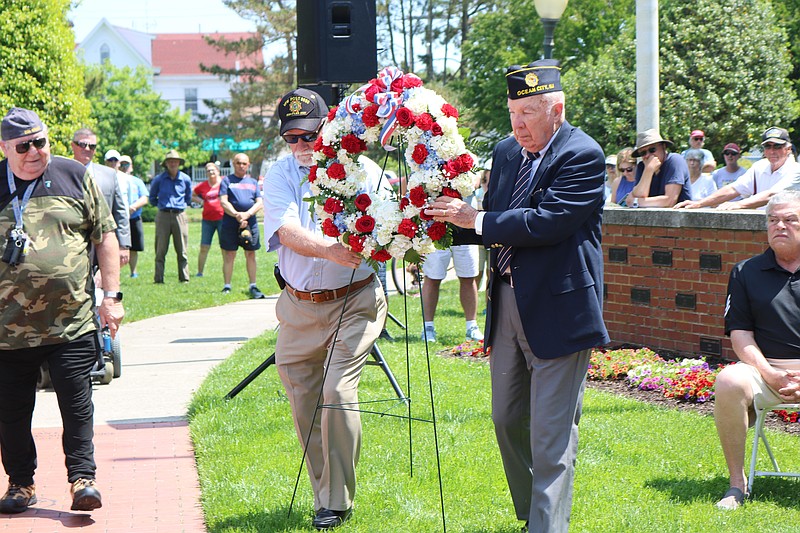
x=377, y=355
x=253, y=375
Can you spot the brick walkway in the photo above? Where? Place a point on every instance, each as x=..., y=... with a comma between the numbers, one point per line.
x=146, y=475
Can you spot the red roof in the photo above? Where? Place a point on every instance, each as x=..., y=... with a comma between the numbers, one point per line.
x=178, y=54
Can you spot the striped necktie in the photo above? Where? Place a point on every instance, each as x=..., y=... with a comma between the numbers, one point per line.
x=521, y=186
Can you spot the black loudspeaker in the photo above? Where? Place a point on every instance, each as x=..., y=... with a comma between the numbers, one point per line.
x=336, y=41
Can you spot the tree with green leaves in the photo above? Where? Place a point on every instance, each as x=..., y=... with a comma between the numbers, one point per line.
x=129, y=116
x=38, y=68
x=721, y=78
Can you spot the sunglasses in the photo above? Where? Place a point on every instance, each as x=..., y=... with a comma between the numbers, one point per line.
x=23, y=147
x=627, y=169
x=85, y=145
x=698, y=138
x=307, y=137
x=730, y=153
x=772, y=146
x=651, y=150
x=124, y=165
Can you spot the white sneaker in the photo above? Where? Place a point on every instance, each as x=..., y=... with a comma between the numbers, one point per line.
x=430, y=333
x=474, y=334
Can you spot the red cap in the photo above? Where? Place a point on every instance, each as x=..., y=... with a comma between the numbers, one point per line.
x=697, y=133
x=733, y=147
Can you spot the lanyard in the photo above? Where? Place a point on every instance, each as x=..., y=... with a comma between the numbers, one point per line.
x=19, y=207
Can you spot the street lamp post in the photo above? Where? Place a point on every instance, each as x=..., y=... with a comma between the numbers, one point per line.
x=550, y=12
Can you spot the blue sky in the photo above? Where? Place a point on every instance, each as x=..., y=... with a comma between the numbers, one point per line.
x=158, y=16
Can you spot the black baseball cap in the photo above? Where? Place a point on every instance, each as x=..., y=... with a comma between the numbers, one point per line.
x=301, y=109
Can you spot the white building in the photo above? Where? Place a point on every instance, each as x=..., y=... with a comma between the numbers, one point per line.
x=173, y=58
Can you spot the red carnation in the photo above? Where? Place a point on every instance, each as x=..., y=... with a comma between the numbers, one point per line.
x=356, y=107
x=381, y=256
x=424, y=122
x=318, y=144
x=371, y=92
x=329, y=228
x=336, y=171
x=377, y=82
x=328, y=151
x=312, y=174
x=411, y=80
x=452, y=193
x=437, y=231
x=436, y=130
x=353, y=144
x=407, y=228
x=370, y=116
x=418, y=196
x=404, y=202
x=420, y=154
x=365, y=224
x=363, y=201
x=333, y=206
x=449, y=111
x=405, y=117
x=424, y=216
x=332, y=113
x=465, y=162
x=356, y=242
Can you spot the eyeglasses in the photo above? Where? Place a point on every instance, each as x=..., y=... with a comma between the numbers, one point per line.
x=730, y=153
x=651, y=150
x=23, y=147
x=124, y=165
x=85, y=145
x=698, y=138
x=627, y=169
x=772, y=146
x=307, y=137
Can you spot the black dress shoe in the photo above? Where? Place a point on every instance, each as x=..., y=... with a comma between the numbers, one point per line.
x=329, y=519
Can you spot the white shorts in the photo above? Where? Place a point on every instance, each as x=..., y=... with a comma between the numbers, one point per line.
x=465, y=259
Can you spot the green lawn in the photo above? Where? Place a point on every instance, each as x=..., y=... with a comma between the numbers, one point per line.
x=144, y=299
x=641, y=468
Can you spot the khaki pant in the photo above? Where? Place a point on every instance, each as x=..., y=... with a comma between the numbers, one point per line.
x=175, y=225
x=307, y=331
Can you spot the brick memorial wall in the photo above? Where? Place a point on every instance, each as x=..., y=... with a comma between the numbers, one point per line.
x=666, y=275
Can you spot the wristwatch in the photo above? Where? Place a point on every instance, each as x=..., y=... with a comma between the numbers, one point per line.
x=111, y=294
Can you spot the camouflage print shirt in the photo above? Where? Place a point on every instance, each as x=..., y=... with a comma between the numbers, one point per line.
x=47, y=299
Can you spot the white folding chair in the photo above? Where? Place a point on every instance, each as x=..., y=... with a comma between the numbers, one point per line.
x=761, y=416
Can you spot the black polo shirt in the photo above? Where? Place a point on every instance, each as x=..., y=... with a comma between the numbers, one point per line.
x=765, y=299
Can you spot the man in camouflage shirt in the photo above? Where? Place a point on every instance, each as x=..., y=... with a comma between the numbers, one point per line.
x=51, y=214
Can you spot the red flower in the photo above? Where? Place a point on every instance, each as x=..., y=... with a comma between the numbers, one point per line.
x=417, y=196
x=356, y=107
x=370, y=116
x=365, y=224
x=424, y=122
x=450, y=169
x=318, y=144
x=353, y=144
x=404, y=202
x=333, y=206
x=397, y=85
x=336, y=171
x=404, y=117
x=452, y=193
x=420, y=154
x=356, y=242
x=363, y=201
x=436, y=130
x=312, y=174
x=328, y=151
x=423, y=216
x=407, y=228
x=380, y=256
x=329, y=228
x=371, y=91
x=332, y=113
x=465, y=163
x=411, y=80
x=377, y=82
x=437, y=231
x=449, y=111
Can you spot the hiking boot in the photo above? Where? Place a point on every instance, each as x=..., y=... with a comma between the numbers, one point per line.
x=256, y=294
x=474, y=333
x=430, y=333
x=85, y=496
x=17, y=498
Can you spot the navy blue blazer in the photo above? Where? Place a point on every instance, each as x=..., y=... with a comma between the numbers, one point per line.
x=557, y=265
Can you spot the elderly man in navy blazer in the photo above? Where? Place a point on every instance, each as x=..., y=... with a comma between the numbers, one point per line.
x=541, y=219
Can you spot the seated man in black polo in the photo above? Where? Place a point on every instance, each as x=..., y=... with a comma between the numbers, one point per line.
x=761, y=317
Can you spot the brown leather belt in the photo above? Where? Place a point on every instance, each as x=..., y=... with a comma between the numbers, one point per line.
x=319, y=297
